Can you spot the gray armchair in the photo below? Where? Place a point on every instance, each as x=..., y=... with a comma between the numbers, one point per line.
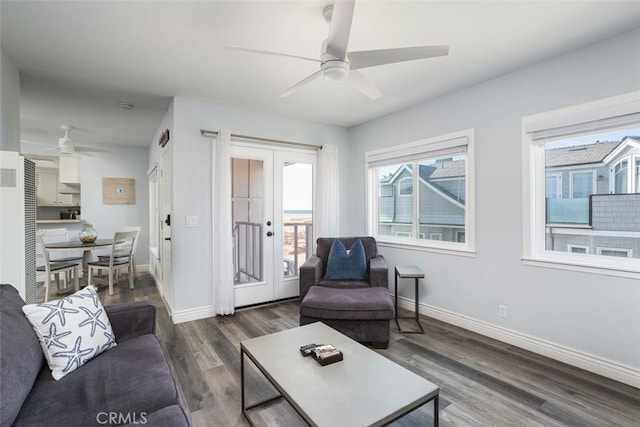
x=359, y=308
x=313, y=271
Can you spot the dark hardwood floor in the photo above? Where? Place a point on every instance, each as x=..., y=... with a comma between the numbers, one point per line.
x=483, y=382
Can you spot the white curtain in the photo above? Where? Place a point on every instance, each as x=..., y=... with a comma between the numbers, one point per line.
x=221, y=226
x=327, y=209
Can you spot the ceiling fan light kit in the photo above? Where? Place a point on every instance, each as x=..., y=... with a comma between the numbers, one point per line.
x=337, y=64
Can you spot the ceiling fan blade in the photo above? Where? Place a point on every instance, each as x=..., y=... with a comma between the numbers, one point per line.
x=89, y=149
x=301, y=83
x=340, y=29
x=363, y=84
x=371, y=58
x=266, y=52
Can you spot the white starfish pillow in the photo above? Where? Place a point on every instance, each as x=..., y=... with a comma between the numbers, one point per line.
x=72, y=330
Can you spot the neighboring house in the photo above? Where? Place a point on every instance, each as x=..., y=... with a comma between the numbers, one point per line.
x=441, y=201
x=593, y=198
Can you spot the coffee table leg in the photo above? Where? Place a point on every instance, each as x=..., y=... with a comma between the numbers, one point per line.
x=242, y=382
x=436, y=410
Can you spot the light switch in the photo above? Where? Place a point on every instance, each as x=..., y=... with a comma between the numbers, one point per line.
x=192, y=221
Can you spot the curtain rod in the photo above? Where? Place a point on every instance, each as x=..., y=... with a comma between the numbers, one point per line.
x=204, y=132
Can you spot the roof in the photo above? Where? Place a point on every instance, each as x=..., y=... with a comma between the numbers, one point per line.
x=580, y=154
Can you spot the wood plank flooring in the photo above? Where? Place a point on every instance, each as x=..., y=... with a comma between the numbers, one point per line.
x=483, y=382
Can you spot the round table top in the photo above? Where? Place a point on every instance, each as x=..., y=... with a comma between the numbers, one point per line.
x=77, y=244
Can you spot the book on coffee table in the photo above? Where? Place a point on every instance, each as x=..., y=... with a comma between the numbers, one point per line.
x=326, y=354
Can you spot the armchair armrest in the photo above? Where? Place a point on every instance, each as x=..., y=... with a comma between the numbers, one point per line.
x=130, y=320
x=310, y=274
x=378, y=272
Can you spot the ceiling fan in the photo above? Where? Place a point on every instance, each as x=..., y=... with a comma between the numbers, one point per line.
x=336, y=63
x=66, y=145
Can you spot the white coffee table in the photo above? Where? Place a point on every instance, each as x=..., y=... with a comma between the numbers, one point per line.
x=363, y=389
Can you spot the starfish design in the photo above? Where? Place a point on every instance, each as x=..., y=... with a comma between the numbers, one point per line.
x=111, y=340
x=94, y=296
x=53, y=339
x=57, y=309
x=93, y=320
x=74, y=356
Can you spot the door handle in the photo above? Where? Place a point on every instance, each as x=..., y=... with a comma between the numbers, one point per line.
x=269, y=234
x=167, y=238
x=168, y=220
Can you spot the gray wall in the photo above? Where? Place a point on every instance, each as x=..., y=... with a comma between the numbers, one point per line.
x=191, y=247
x=591, y=313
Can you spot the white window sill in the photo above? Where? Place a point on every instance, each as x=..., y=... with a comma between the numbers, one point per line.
x=626, y=271
x=420, y=248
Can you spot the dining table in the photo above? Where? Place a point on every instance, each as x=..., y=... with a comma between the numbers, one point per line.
x=77, y=245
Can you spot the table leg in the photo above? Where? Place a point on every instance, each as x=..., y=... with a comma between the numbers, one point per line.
x=396, y=302
x=436, y=411
x=417, y=306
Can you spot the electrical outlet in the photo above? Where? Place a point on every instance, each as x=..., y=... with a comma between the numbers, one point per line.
x=502, y=311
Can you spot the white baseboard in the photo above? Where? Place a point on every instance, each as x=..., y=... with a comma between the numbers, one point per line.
x=190, y=314
x=586, y=361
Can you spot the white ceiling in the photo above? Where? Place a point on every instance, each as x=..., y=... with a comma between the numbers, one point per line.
x=78, y=60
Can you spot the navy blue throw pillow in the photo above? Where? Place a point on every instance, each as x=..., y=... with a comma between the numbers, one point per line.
x=346, y=266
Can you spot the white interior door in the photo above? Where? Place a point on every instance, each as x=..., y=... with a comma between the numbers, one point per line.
x=165, y=225
x=271, y=196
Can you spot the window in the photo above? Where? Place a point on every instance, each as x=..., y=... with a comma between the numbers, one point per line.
x=432, y=198
x=622, y=253
x=582, y=184
x=553, y=185
x=637, y=190
x=620, y=177
x=578, y=249
x=405, y=186
x=593, y=147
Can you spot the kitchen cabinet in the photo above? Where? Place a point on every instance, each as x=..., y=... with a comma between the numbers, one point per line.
x=69, y=170
x=47, y=190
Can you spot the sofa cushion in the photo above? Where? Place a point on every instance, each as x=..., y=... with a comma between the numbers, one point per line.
x=346, y=265
x=21, y=357
x=132, y=378
x=71, y=330
x=347, y=304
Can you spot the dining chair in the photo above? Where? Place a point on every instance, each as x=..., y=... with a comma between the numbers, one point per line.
x=119, y=258
x=120, y=249
x=55, y=235
x=70, y=268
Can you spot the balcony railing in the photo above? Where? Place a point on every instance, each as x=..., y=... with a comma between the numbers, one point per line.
x=568, y=211
x=248, y=249
x=302, y=234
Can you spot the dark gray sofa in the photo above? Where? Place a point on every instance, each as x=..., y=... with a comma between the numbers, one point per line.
x=128, y=384
x=360, y=309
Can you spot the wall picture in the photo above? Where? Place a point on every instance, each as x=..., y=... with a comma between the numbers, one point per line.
x=118, y=191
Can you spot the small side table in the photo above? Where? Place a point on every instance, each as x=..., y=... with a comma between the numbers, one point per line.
x=409, y=272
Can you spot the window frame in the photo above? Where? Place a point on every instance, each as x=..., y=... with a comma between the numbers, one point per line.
x=418, y=151
x=628, y=251
x=534, y=253
x=400, y=193
x=571, y=246
x=571, y=183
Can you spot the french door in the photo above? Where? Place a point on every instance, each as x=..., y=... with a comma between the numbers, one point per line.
x=272, y=213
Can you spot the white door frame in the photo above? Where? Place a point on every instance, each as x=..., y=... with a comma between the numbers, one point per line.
x=274, y=286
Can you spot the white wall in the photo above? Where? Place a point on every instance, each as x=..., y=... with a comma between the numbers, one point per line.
x=118, y=162
x=191, y=247
x=9, y=104
x=593, y=314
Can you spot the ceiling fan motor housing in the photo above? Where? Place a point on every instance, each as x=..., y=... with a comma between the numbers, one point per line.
x=333, y=68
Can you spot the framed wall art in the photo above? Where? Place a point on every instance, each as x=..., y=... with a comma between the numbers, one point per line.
x=118, y=191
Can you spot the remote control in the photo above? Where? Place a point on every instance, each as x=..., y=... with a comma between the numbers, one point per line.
x=307, y=349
